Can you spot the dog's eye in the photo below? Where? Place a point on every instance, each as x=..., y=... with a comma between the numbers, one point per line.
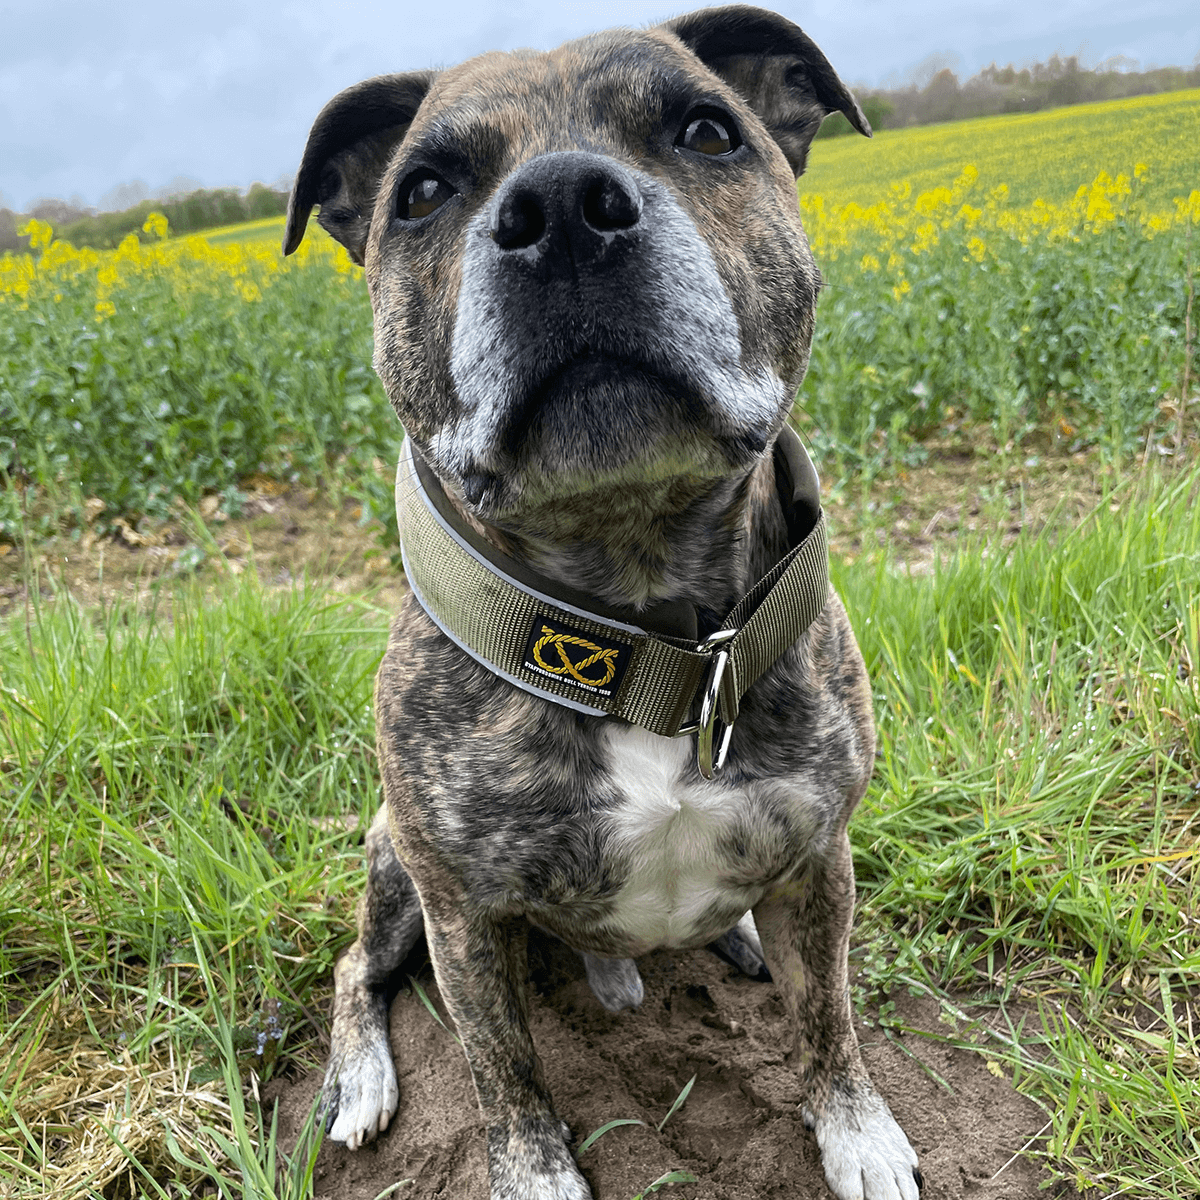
x=709, y=133
x=421, y=195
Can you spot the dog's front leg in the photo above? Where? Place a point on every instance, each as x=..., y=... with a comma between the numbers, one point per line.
x=805, y=930
x=360, y=1093
x=480, y=965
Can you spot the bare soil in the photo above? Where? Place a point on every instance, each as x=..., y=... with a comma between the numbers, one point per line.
x=285, y=534
x=288, y=533
x=739, y=1133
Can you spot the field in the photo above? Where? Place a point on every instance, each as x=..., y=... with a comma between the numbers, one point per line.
x=1037, y=156
x=186, y=754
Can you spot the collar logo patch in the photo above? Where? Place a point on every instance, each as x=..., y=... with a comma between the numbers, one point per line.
x=575, y=657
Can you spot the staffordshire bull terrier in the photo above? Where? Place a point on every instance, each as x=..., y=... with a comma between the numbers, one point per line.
x=593, y=304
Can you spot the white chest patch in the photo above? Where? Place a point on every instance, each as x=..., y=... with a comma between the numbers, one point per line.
x=670, y=830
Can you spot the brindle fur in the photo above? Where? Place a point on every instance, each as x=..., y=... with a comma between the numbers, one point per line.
x=584, y=406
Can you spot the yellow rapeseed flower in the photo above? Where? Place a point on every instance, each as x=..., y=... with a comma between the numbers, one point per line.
x=156, y=224
x=907, y=222
x=38, y=232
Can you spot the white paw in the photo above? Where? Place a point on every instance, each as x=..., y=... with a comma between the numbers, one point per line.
x=534, y=1163
x=864, y=1152
x=566, y=1184
x=615, y=982
x=361, y=1095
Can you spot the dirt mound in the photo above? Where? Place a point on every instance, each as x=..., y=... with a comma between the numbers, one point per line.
x=740, y=1131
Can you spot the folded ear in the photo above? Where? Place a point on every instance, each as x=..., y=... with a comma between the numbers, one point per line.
x=347, y=153
x=775, y=67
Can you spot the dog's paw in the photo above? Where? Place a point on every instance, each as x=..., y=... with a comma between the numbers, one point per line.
x=540, y=1185
x=741, y=948
x=534, y=1164
x=864, y=1152
x=615, y=982
x=360, y=1094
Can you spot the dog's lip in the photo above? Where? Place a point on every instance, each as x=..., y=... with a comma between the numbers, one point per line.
x=568, y=381
x=571, y=378
x=591, y=368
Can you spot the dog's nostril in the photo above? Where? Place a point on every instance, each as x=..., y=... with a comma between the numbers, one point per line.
x=519, y=221
x=607, y=205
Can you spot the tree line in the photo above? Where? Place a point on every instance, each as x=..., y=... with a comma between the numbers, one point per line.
x=996, y=90
x=205, y=208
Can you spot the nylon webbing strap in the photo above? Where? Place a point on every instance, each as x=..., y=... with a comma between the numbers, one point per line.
x=578, y=657
x=773, y=614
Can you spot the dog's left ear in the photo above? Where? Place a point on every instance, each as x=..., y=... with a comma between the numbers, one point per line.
x=775, y=67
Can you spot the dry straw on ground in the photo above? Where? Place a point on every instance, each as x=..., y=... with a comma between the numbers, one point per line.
x=90, y=1108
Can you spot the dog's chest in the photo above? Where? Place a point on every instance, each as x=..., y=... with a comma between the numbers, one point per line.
x=691, y=868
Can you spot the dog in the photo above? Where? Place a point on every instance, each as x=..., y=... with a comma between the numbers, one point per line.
x=593, y=304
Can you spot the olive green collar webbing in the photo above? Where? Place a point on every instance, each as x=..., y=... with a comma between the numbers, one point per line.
x=647, y=668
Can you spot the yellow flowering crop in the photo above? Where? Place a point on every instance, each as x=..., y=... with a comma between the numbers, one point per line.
x=189, y=265
x=904, y=222
x=985, y=274
x=169, y=369
x=1045, y=154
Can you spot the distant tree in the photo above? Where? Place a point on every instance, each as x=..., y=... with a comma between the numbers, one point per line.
x=58, y=212
x=876, y=109
x=124, y=196
x=938, y=95
x=8, y=231
x=203, y=208
x=263, y=202
x=181, y=185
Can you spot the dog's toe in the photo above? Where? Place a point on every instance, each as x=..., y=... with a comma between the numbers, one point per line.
x=865, y=1153
x=533, y=1163
x=741, y=948
x=361, y=1096
x=615, y=982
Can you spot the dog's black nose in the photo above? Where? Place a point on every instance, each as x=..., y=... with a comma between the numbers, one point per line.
x=569, y=200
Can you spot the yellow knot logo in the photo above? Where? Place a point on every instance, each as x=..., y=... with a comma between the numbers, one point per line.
x=595, y=657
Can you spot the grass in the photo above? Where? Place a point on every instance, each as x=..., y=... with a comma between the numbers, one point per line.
x=592, y=1138
x=1033, y=835
x=268, y=229
x=175, y=794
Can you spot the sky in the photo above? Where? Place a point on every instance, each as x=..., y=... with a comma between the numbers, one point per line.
x=222, y=93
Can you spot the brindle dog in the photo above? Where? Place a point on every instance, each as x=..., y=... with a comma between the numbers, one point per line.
x=593, y=305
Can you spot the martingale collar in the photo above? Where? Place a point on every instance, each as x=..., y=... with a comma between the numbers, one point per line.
x=646, y=667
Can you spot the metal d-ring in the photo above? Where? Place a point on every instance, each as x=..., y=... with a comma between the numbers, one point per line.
x=706, y=727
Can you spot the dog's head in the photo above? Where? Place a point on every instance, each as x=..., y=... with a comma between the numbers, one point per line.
x=586, y=267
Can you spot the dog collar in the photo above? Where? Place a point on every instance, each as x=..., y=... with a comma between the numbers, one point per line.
x=648, y=667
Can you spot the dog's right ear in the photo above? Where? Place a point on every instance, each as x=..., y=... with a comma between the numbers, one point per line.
x=347, y=153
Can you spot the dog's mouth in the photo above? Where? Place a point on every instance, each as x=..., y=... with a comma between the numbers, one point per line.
x=596, y=421
x=588, y=405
